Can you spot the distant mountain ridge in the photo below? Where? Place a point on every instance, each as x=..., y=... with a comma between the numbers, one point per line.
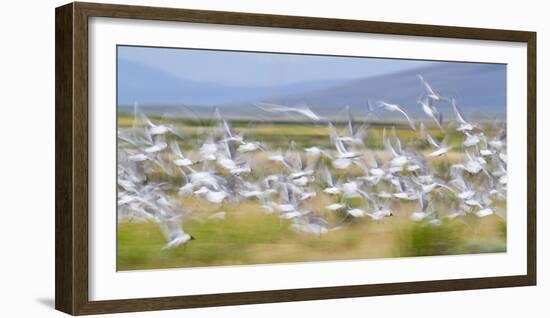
x=479, y=89
x=146, y=85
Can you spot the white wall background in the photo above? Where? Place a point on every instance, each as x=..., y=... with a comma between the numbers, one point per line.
x=27, y=158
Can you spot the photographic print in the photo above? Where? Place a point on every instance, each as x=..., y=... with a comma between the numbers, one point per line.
x=229, y=150
x=240, y=158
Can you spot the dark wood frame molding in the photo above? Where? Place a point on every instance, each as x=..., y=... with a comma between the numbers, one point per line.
x=71, y=157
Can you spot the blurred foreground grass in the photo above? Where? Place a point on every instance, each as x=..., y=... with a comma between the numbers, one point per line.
x=248, y=236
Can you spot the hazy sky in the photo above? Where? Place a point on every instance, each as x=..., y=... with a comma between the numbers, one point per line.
x=265, y=69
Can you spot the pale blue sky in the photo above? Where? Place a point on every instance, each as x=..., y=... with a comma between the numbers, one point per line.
x=255, y=70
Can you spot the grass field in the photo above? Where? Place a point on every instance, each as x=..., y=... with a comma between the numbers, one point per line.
x=278, y=134
x=250, y=236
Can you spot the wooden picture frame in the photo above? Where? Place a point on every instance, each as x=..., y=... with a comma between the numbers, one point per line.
x=71, y=90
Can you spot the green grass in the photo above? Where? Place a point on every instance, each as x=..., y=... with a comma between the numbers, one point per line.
x=248, y=236
x=216, y=242
x=453, y=236
x=423, y=239
x=278, y=134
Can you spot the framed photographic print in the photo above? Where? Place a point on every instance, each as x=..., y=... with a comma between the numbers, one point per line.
x=219, y=158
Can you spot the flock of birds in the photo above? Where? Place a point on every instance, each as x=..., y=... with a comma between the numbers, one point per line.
x=155, y=175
